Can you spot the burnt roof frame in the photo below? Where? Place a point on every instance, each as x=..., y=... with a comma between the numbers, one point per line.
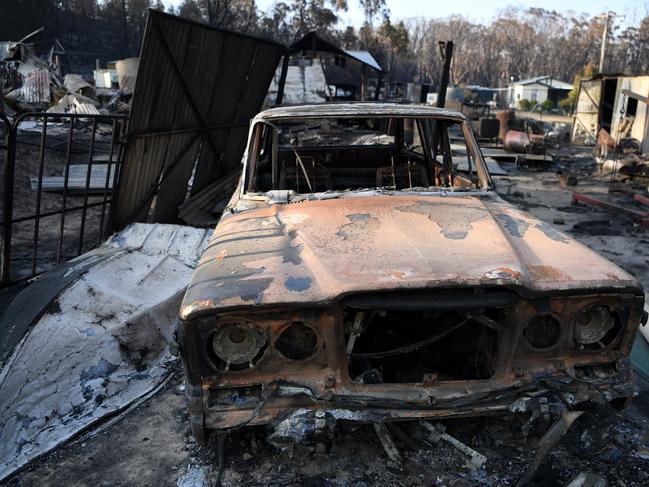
x=313, y=42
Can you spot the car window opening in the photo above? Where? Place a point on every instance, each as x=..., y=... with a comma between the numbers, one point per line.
x=313, y=156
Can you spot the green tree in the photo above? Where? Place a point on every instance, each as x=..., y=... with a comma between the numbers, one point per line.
x=587, y=72
x=315, y=15
x=371, y=9
x=547, y=105
x=391, y=45
x=526, y=104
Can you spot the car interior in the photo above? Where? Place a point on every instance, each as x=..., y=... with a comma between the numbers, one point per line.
x=311, y=156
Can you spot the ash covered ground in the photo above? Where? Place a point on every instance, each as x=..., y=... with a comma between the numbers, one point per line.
x=153, y=446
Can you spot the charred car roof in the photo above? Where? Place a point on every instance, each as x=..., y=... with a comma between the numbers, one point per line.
x=356, y=110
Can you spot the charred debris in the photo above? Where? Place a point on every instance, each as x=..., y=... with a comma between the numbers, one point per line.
x=34, y=82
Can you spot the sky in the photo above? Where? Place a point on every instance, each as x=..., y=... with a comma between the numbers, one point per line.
x=484, y=10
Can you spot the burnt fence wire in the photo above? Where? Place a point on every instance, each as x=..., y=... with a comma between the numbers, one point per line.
x=60, y=175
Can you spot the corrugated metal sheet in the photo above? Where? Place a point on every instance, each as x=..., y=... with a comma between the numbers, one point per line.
x=4, y=49
x=74, y=103
x=85, y=109
x=36, y=87
x=74, y=83
x=366, y=58
x=127, y=73
x=197, y=89
x=205, y=208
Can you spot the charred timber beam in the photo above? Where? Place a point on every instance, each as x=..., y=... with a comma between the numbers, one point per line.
x=638, y=97
x=282, y=79
x=447, y=55
x=8, y=202
x=547, y=442
x=379, y=84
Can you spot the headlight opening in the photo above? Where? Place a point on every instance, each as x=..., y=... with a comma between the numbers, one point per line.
x=595, y=328
x=543, y=332
x=297, y=341
x=237, y=346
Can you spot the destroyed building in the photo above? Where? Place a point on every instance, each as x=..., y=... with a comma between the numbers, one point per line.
x=34, y=82
x=615, y=104
x=305, y=82
x=315, y=70
x=354, y=76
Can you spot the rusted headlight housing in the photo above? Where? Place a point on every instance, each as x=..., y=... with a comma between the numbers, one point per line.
x=238, y=346
x=543, y=331
x=297, y=341
x=595, y=327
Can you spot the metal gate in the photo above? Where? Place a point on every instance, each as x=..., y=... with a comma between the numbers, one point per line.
x=60, y=173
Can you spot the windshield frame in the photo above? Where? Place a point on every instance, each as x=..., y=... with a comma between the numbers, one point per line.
x=473, y=150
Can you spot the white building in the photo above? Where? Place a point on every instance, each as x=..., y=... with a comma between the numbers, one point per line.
x=537, y=89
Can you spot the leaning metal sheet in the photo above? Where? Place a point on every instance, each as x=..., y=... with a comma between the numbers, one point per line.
x=197, y=89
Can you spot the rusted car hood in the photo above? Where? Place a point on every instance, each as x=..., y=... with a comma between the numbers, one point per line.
x=317, y=251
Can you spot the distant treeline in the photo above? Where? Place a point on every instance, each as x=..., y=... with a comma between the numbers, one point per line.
x=516, y=44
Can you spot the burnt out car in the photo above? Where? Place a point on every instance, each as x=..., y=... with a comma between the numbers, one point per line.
x=365, y=270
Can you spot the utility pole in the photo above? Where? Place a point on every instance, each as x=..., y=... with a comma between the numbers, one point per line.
x=602, y=52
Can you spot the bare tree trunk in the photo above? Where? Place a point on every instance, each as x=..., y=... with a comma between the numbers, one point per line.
x=125, y=43
x=251, y=12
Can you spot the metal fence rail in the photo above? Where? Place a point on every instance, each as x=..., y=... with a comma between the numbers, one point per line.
x=5, y=126
x=45, y=218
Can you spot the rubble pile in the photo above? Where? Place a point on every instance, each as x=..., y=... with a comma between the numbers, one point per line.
x=605, y=446
x=626, y=167
x=31, y=82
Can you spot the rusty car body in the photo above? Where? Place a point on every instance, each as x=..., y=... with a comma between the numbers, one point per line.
x=359, y=275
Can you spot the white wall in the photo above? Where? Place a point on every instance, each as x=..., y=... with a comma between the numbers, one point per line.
x=534, y=91
x=105, y=78
x=640, y=128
